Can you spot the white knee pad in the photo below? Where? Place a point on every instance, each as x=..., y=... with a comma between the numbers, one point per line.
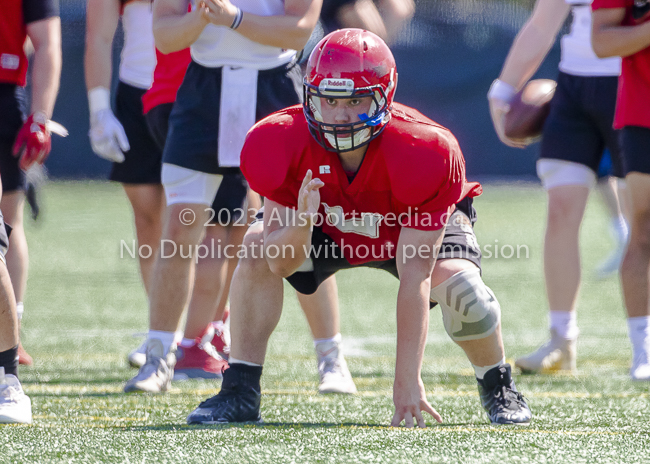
x=469, y=308
x=556, y=173
x=184, y=185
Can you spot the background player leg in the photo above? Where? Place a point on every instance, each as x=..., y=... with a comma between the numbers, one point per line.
x=221, y=340
x=13, y=205
x=322, y=312
x=148, y=204
x=566, y=207
x=472, y=319
x=15, y=406
x=613, y=193
x=634, y=274
x=197, y=357
x=169, y=293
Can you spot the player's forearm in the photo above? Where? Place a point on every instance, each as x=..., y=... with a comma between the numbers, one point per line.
x=174, y=32
x=287, y=249
x=620, y=40
x=412, y=324
x=290, y=32
x=527, y=53
x=46, y=74
x=97, y=62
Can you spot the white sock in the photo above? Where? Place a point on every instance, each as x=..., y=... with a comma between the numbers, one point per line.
x=564, y=323
x=20, y=309
x=327, y=348
x=167, y=338
x=639, y=330
x=232, y=360
x=480, y=372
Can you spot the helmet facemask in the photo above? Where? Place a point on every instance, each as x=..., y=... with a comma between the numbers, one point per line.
x=348, y=136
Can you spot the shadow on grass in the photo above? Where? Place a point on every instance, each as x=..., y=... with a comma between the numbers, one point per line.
x=284, y=425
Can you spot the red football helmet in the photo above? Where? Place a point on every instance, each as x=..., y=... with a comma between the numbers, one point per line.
x=349, y=63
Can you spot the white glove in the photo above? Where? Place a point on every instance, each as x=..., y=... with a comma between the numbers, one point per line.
x=107, y=136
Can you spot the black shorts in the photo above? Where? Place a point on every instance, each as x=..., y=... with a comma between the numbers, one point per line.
x=194, y=122
x=459, y=242
x=13, y=105
x=229, y=203
x=579, y=126
x=142, y=163
x=635, y=143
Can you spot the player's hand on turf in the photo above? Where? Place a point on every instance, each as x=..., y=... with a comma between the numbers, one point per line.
x=498, y=111
x=107, y=136
x=309, y=197
x=33, y=142
x=410, y=400
x=219, y=12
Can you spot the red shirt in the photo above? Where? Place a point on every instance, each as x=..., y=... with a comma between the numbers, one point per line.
x=167, y=78
x=15, y=16
x=412, y=176
x=633, y=102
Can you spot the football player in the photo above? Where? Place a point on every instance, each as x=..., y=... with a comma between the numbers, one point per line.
x=622, y=28
x=23, y=142
x=353, y=179
x=578, y=129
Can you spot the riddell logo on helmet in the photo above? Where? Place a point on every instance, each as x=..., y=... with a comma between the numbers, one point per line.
x=336, y=86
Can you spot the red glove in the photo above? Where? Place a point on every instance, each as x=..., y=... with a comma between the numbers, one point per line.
x=33, y=142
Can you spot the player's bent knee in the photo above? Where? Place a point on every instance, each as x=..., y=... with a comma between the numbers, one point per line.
x=470, y=310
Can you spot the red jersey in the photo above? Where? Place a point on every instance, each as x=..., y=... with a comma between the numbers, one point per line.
x=16, y=14
x=632, y=108
x=411, y=176
x=167, y=78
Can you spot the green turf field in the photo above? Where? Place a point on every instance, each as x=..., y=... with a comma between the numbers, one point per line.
x=84, y=305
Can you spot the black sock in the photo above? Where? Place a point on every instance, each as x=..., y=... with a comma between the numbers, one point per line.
x=9, y=360
x=242, y=375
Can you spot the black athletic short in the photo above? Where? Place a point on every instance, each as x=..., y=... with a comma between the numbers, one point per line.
x=194, y=122
x=229, y=203
x=142, y=163
x=329, y=14
x=579, y=126
x=459, y=242
x=13, y=106
x=635, y=144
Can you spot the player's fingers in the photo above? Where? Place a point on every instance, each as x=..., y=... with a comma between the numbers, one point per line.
x=408, y=420
x=306, y=180
x=397, y=419
x=420, y=420
x=122, y=139
x=428, y=408
x=315, y=184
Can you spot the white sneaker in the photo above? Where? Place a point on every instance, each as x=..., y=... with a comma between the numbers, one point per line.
x=558, y=354
x=156, y=374
x=333, y=371
x=138, y=357
x=335, y=377
x=15, y=406
x=640, y=369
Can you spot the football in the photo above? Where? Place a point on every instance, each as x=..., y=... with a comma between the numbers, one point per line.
x=528, y=111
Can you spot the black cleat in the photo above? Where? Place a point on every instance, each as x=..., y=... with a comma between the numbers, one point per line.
x=238, y=400
x=500, y=398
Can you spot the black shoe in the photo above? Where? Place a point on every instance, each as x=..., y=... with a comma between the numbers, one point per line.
x=238, y=400
x=500, y=398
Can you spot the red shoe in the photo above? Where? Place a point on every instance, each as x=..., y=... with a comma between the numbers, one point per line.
x=24, y=358
x=199, y=361
x=221, y=339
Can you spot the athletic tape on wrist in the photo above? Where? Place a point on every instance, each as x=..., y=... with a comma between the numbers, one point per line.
x=99, y=99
